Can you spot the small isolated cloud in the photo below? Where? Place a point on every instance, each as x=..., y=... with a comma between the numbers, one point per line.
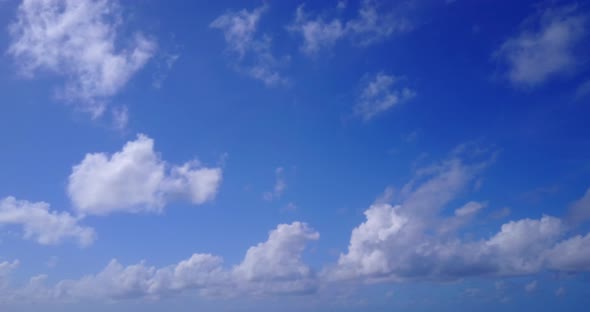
x=120, y=117
x=545, y=47
x=501, y=213
x=76, y=40
x=279, y=188
x=560, y=292
x=43, y=225
x=164, y=66
x=290, y=207
x=252, y=52
x=531, y=287
x=379, y=95
x=135, y=179
x=52, y=262
x=371, y=24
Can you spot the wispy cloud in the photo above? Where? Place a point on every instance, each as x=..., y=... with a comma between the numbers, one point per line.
x=252, y=51
x=76, y=39
x=545, y=47
x=279, y=187
x=371, y=24
x=379, y=95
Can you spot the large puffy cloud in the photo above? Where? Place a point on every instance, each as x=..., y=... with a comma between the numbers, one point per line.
x=43, y=225
x=273, y=266
x=135, y=179
x=77, y=39
x=276, y=265
x=415, y=240
x=371, y=24
x=253, y=52
x=545, y=47
x=571, y=255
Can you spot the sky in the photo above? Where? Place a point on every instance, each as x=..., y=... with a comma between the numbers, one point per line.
x=368, y=155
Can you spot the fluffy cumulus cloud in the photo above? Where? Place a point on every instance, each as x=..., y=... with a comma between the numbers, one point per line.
x=379, y=95
x=404, y=241
x=545, y=47
x=43, y=225
x=252, y=51
x=116, y=281
x=371, y=24
x=136, y=179
x=76, y=39
x=271, y=267
x=276, y=265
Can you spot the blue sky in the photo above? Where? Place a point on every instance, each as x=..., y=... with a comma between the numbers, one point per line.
x=281, y=155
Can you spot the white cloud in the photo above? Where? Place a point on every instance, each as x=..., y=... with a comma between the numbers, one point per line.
x=274, y=266
x=393, y=241
x=545, y=47
x=571, y=255
x=317, y=34
x=77, y=39
x=531, y=287
x=379, y=95
x=120, y=117
x=43, y=225
x=372, y=24
x=400, y=242
x=520, y=245
x=253, y=52
x=279, y=188
x=135, y=179
x=579, y=211
x=468, y=209
x=122, y=282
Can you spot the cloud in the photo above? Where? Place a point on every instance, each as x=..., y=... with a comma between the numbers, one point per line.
x=116, y=281
x=545, y=47
x=276, y=264
x=579, y=211
x=572, y=255
x=252, y=52
x=120, y=117
x=379, y=95
x=317, y=34
x=560, y=292
x=43, y=225
x=136, y=179
x=414, y=240
x=164, y=66
x=279, y=188
x=76, y=39
x=271, y=267
x=531, y=287
x=372, y=24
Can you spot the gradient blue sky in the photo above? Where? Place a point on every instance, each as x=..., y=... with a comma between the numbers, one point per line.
x=282, y=155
